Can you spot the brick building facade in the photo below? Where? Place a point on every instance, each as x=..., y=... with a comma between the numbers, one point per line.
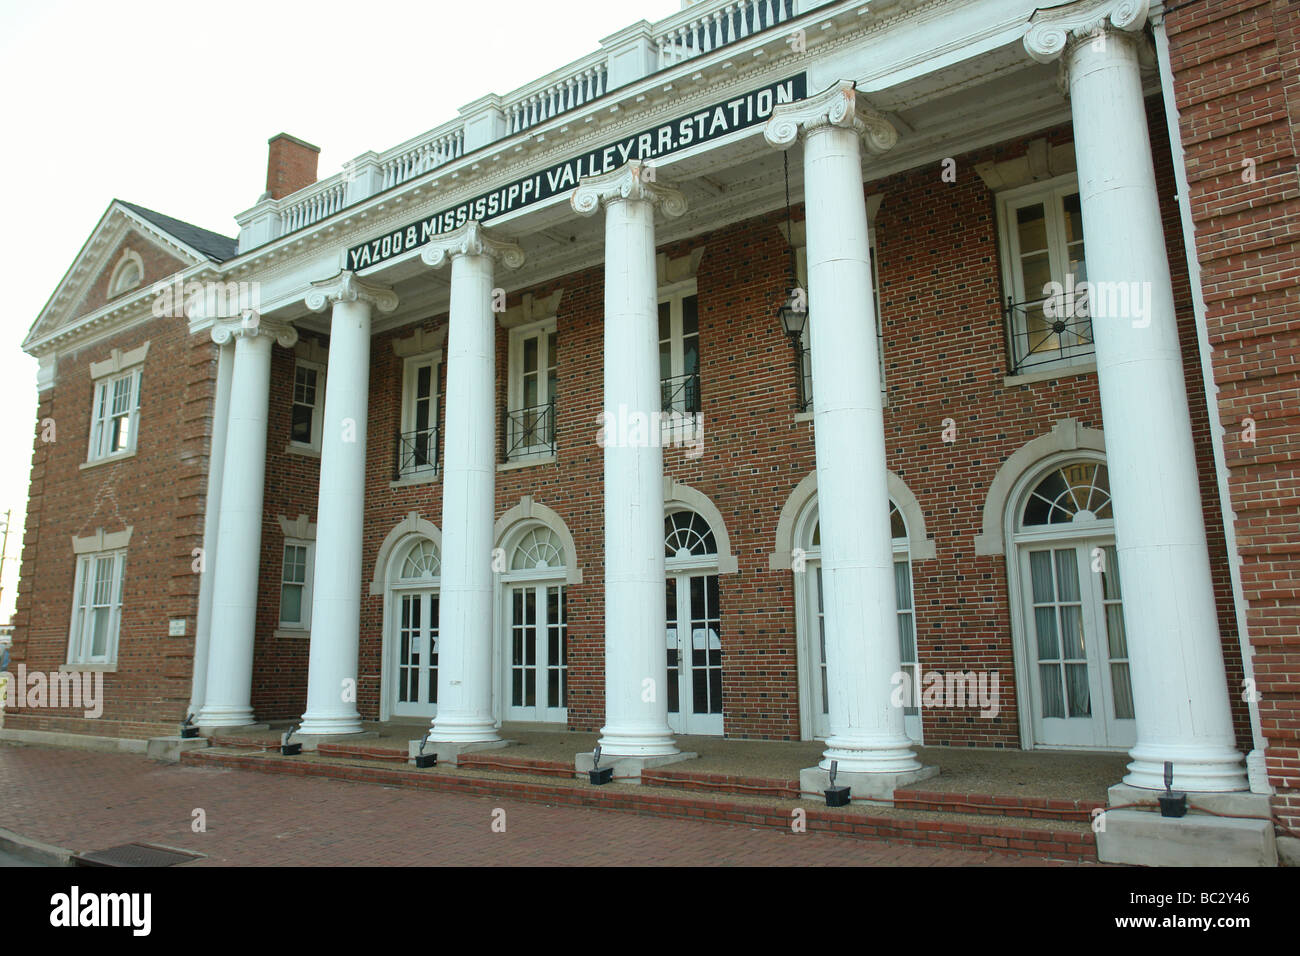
x=986, y=408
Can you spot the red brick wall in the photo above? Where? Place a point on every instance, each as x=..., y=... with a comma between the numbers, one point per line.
x=157, y=265
x=158, y=492
x=1236, y=80
x=945, y=356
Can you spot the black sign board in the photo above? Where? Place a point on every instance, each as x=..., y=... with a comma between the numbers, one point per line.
x=742, y=112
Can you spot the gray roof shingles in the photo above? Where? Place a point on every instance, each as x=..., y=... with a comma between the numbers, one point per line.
x=216, y=247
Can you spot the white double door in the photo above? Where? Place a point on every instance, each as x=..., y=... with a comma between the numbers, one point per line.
x=694, y=644
x=415, y=650
x=537, y=671
x=1076, y=646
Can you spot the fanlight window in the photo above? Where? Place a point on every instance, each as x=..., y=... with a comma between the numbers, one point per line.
x=421, y=561
x=538, y=549
x=128, y=277
x=897, y=527
x=1075, y=492
x=687, y=531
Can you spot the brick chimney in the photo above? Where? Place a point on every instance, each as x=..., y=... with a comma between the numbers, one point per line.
x=290, y=165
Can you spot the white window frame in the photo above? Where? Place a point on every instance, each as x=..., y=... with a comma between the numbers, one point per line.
x=410, y=378
x=1051, y=194
x=515, y=380
x=309, y=573
x=80, y=634
x=318, y=409
x=101, y=417
x=674, y=295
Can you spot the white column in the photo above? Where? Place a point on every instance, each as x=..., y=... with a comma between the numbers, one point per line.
x=336, y=584
x=227, y=700
x=211, y=524
x=468, y=486
x=636, y=668
x=1175, y=653
x=862, y=656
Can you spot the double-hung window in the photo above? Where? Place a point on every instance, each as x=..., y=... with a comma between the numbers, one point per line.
x=295, y=585
x=97, y=607
x=417, y=443
x=679, y=349
x=530, y=416
x=308, y=405
x=1047, y=320
x=116, y=415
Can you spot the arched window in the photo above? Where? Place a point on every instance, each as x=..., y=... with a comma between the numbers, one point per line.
x=686, y=534
x=128, y=274
x=539, y=549
x=421, y=561
x=1071, y=647
x=536, y=624
x=1076, y=491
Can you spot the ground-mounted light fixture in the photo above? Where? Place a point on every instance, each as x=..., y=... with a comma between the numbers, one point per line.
x=287, y=749
x=188, y=729
x=423, y=760
x=793, y=311
x=1173, y=803
x=836, y=796
x=599, y=775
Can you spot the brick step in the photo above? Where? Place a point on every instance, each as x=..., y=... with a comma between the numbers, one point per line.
x=1072, y=841
x=362, y=752
x=721, y=783
x=1037, y=808
x=492, y=760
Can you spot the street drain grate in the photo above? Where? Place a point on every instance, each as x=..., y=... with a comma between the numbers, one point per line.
x=136, y=854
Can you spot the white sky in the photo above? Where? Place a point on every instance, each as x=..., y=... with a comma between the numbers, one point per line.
x=169, y=105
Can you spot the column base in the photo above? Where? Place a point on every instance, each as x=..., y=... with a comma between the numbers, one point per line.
x=225, y=716
x=1142, y=837
x=634, y=742
x=877, y=785
x=870, y=755
x=626, y=769
x=1200, y=769
x=329, y=725
x=449, y=751
x=463, y=730
x=169, y=749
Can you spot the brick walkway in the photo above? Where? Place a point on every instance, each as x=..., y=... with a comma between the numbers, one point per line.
x=86, y=801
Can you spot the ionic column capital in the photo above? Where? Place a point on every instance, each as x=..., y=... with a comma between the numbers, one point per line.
x=838, y=106
x=472, y=239
x=346, y=287
x=634, y=182
x=251, y=325
x=1054, y=30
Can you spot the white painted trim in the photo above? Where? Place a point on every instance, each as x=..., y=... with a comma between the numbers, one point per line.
x=412, y=524
x=118, y=361
x=1067, y=435
x=1017, y=486
x=517, y=520
x=679, y=497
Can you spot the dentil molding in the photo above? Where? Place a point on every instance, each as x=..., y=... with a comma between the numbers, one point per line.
x=839, y=106
x=631, y=182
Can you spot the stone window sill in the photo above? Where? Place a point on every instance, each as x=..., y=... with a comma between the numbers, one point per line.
x=295, y=632
x=119, y=456
x=93, y=668
x=1047, y=374
x=421, y=478
x=305, y=450
x=526, y=462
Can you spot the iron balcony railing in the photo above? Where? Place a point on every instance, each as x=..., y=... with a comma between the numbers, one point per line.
x=681, y=393
x=417, y=453
x=530, y=431
x=1035, y=339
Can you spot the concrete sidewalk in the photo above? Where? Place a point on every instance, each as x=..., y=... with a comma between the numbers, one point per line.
x=92, y=801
